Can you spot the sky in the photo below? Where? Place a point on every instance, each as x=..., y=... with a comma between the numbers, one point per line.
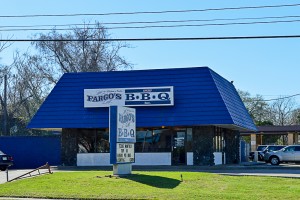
x=269, y=67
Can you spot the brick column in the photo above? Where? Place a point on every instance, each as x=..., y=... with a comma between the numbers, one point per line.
x=69, y=147
x=290, y=138
x=203, y=145
x=232, y=143
x=253, y=142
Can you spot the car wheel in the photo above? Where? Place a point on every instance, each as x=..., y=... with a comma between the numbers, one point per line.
x=274, y=160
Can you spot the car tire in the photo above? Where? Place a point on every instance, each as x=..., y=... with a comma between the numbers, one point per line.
x=274, y=160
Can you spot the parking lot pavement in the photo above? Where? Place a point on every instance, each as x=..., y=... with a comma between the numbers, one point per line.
x=260, y=169
x=274, y=174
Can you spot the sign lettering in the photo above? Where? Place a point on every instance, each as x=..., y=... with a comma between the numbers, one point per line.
x=149, y=96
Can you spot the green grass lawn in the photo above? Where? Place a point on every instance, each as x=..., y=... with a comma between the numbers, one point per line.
x=152, y=185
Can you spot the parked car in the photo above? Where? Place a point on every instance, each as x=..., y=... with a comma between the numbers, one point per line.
x=289, y=153
x=273, y=148
x=259, y=148
x=5, y=161
x=262, y=149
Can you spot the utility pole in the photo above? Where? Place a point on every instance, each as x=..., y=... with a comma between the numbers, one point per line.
x=5, y=107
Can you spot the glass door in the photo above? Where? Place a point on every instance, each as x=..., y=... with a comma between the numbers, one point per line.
x=178, y=148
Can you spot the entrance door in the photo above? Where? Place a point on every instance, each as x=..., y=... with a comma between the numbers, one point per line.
x=178, y=148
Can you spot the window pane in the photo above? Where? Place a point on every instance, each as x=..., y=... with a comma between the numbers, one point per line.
x=153, y=140
x=86, y=140
x=92, y=141
x=102, y=140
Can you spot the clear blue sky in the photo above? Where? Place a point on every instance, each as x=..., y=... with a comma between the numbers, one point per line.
x=269, y=67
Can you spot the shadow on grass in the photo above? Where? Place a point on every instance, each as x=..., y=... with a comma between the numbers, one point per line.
x=154, y=181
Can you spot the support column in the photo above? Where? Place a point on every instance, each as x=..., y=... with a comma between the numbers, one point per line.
x=290, y=138
x=203, y=153
x=69, y=147
x=253, y=142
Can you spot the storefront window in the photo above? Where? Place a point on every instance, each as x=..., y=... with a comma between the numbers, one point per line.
x=102, y=141
x=153, y=140
x=218, y=139
x=92, y=141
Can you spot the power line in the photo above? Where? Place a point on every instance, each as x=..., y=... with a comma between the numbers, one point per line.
x=154, y=22
x=155, y=26
x=200, y=25
x=150, y=12
x=280, y=98
x=155, y=39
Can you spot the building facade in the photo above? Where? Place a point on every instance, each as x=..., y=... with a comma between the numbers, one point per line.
x=185, y=116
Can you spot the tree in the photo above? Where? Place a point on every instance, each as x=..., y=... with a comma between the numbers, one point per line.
x=4, y=45
x=3, y=75
x=257, y=108
x=62, y=55
x=27, y=89
x=282, y=111
x=33, y=74
x=296, y=117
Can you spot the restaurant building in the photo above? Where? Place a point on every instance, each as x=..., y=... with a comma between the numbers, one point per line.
x=184, y=116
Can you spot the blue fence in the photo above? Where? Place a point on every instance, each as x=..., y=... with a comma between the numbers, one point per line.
x=32, y=151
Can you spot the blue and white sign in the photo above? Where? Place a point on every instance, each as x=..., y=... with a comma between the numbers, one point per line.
x=147, y=96
x=125, y=153
x=122, y=134
x=126, y=125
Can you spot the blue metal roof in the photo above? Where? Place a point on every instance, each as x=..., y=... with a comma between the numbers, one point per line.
x=201, y=97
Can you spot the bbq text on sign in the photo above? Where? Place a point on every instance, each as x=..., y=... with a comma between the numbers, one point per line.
x=148, y=96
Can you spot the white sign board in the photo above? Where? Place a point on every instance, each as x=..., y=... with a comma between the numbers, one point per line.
x=125, y=152
x=126, y=125
x=146, y=96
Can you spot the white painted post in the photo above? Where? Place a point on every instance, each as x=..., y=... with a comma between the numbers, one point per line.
x=255, y=156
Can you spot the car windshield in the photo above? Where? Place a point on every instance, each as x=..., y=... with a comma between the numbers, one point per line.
x=261, y=148
x=1, y=153
x=275, y=148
